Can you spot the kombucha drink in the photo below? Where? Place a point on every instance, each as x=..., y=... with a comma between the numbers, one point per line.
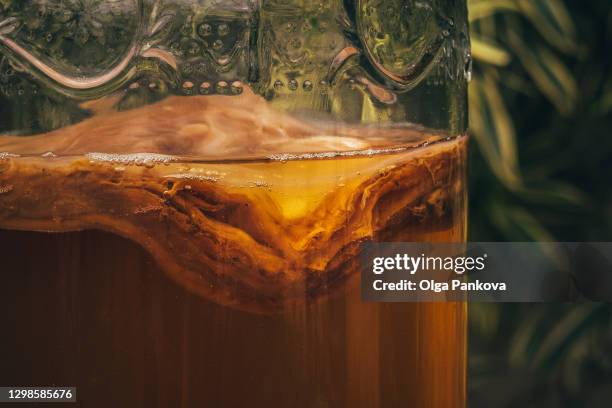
x=220, y=269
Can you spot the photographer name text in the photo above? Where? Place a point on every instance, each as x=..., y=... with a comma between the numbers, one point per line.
x=411, y=265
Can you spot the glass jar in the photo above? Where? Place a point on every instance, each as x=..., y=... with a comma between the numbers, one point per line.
x=210, y=170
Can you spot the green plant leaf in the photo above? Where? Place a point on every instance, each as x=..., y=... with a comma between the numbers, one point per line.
x=489, y=52
x=517, y=223
x=553, y=21
x=485, y=27
x=576, y=354
x=554, y=194
x=565, y=332
x=529, y=225
x=547, y=71
x=484, y=318
x=525, y=335
x=605, y=104
x=493, y=129
x=479, y=9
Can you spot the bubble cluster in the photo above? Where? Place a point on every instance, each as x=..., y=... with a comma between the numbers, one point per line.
x=195, y=177
x=259, y=184
x=7, y=155
x=284, y=157
x=133, y=159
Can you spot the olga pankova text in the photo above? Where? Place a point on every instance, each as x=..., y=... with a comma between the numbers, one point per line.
x=430, y=285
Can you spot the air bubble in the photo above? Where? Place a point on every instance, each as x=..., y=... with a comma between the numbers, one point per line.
x=307, y=86
x=293, y=84
x=278, y=84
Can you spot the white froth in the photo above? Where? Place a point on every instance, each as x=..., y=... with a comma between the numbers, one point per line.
x=138, y=159
x=330, y=155
x=7, y=155
x=196, y=177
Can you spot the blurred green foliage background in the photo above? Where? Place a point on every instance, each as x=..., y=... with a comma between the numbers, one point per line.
x=541, y=170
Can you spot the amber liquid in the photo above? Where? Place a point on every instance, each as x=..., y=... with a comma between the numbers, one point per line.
x=226, y=284
x=94, y=311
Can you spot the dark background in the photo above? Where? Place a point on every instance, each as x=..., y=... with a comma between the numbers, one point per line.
x=541, y=170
